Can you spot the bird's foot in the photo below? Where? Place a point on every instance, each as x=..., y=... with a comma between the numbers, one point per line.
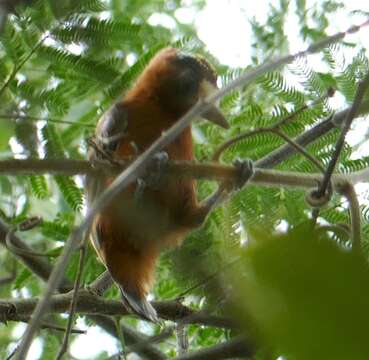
x=140, y=189
x=245, y=170
x=101, y=157
x=155, y=174
x=157, y=169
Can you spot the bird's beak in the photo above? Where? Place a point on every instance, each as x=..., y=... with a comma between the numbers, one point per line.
x=213, y=114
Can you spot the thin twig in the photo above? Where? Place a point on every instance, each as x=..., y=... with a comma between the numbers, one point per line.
x=138, y=166
x=46, y=325
x=299, y=149
x=20, y=65
x=320, y=195
x=348, y=190
x=208, y=278
x=25, y=225
x=245, y=79
x=17, y=250
x=11, y=355
x=138, y=343
x=73, y=304
x=47, y=119
x=120, y=337
x=37, y=265
x=341, y=140
x=218, y=152
x=316, y=132
x=51, y=327
x=270, y=129
x=155, y=339
x=60, y=328
x=182, y=339
x=237, y=347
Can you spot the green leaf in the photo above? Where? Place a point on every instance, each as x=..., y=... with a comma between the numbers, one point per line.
x=306, y=296
x=22, y=278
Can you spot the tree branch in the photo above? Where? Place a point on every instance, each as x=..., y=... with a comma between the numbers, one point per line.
x=101, y=284
x=46, y=325
x=17, y=116
x=88, y=303
x=136, y=342
x=39, y=266
x=348, y=191
x=285, y=151
x=235, y=348
x=363, y=85
x=183, y=169
x=72, y=309
x=271, y=128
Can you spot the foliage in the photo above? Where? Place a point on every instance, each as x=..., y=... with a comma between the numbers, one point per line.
x=305, y=293
x=62, y=64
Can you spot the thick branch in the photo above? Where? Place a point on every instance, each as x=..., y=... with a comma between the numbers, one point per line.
x=88, y=303
x=39, y=266
x=187, y=169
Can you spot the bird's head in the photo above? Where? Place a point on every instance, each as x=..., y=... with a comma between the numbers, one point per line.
x=177, y=81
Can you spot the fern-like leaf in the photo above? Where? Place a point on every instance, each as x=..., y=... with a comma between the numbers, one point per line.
x=67, y=186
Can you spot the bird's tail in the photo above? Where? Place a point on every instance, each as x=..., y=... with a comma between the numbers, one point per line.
x=133, y=271
x=138, y=304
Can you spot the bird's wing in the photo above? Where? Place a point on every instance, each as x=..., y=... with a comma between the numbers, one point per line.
x=110, y=132
x=112, y=128
x=112, y=140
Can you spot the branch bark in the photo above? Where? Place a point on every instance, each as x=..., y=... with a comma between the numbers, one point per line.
x=90, y=304
x=181, y=169
x=39, y=266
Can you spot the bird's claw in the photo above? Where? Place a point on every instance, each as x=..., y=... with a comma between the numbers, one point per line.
x=245, y=170
x=155, y=172
x=101, y=157
x=153, y=179
x=160, y=162
x=140, y=188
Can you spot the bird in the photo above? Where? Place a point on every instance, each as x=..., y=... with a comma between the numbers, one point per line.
x=149, y=216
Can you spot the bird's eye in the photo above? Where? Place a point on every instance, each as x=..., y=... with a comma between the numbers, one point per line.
x=188, y=83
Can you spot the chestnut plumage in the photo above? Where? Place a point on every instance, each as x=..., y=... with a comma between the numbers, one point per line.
x=130, y=233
